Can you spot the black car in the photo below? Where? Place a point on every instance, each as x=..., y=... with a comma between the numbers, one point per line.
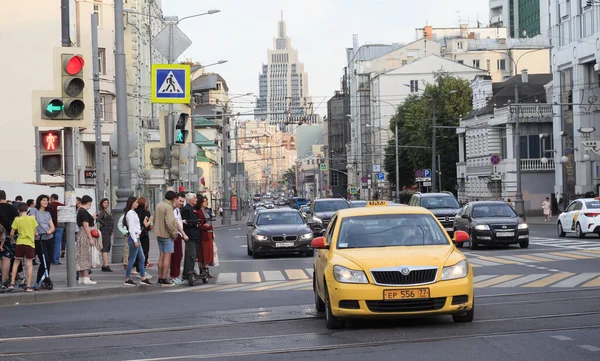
x=321, y=211
x=443, y=205
x=278, y=231
x=492, y=223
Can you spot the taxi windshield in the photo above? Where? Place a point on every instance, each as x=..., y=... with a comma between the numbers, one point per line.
x=390, y=230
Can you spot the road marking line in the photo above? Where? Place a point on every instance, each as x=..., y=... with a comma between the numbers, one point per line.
x=571, y=255
x=548, y=280
x=554, y=257
x=295, y=274
x=562, y=338
x=534, y=258
x=227, y=278
x=248, y=277
x=482, y=278
x=516, y=259
x=482, y=262
x=590, y=348
x=293, y=287
x=309, y=271
x=476, y=265
x=591, y=251
x=496, y=280
x=248, y=287
x=575, y=280
x=305, y=289
x=282, y=284
x=581, y=253
x=498, y=260
x=522, y=280
x=218, y=288
x=273, y=276
x=592, y=283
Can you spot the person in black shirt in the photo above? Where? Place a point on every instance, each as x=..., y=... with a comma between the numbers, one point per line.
x=8, y=213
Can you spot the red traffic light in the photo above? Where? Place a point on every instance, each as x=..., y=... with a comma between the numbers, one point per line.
x=74, y=64
x=50, y=141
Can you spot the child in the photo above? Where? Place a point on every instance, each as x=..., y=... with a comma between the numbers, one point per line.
x=24, y=225
x=546, y=208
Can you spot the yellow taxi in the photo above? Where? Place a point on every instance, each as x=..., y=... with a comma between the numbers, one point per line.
x=390, y=262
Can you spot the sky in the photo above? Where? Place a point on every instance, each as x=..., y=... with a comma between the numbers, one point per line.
x=321, y=30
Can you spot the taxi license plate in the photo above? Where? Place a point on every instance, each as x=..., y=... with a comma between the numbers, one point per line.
x=505, y=234
x=408, y=294
x=284, y=244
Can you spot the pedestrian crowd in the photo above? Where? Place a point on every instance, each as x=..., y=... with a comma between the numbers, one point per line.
x=30, y=229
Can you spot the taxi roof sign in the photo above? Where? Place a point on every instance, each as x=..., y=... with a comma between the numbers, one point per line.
x=376, y=203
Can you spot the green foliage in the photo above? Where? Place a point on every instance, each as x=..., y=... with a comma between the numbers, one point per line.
x=414, y=121
x=290, y=175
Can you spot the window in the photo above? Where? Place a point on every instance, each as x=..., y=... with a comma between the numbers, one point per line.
x=90, y=155
x=98, y=11
x=414, y=86
x=501, y=64
x=102, y=60
x=531, y=146
x=503, y=148
x=488, y=64
x=459, y=45
x=475, y=63
x=461, y=61
x=102, y=102
x=334, y=179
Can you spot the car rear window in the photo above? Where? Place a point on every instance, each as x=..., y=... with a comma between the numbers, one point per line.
x=592, y=205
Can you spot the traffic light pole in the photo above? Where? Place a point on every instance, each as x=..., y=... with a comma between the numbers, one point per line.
x=124, y=189
x=97, y=112
x=69, y=147
x=170, y=118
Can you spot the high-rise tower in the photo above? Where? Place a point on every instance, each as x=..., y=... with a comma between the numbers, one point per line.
x=283, y=85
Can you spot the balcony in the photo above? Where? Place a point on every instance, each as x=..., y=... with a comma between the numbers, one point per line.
x=536, y=165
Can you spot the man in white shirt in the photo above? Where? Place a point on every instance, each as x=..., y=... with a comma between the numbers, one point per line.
x=175, y=271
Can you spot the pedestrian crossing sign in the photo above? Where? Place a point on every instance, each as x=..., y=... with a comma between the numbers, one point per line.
x=170, y=83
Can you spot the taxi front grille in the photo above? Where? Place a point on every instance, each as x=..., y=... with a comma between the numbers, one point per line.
x=429, y=304
x=397, y=278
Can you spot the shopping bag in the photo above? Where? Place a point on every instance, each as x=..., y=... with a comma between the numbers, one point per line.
x=216, y=255
x=96, y=257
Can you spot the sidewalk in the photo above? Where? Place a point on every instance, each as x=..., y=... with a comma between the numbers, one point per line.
x=539, y=221
x=109, y=283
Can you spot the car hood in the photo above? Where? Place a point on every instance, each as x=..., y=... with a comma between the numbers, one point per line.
x=450, y=212
x=497, y=221
x=369, y=258
x=279, y=229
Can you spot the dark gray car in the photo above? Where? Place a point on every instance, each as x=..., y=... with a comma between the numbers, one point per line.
x=321, y=211
x=278, y=231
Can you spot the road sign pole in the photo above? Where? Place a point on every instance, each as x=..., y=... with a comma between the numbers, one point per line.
x=124, y=189
x=97, y=112
x=170, y=118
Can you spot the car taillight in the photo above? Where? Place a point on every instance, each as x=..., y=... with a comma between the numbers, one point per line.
x=592, y=214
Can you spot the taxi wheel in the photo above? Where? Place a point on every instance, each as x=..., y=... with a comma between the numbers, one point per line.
x=465, y=317
x=319, y=304
x=561, y=232
x=331, y=321
x=578, y=231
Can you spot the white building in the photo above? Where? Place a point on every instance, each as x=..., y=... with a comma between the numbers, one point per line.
x=489, y=131
x=283, y=85
x=576, y=72
x=389, y=89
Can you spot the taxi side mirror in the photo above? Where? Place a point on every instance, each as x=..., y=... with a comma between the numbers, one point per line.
x=461, y=236
x=319, y=243
x=249, y=224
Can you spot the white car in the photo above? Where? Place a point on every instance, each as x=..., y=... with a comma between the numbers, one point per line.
x=581, y=217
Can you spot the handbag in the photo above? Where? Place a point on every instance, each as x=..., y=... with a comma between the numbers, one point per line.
x=95, y=233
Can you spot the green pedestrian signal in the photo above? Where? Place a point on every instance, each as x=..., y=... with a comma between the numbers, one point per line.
x=181, y=136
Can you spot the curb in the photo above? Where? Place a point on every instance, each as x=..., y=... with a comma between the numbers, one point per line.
x=20, y=297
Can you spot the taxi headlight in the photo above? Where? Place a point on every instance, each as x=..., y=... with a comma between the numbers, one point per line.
x=482, y=227
x=459, y=270
x=260, y=238
x=346, y=275
x=523, y=226
x=306, y=236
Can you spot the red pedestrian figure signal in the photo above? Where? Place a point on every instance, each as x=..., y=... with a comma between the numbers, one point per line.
x=50, y=141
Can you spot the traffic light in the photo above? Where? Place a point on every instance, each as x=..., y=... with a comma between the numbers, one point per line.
x=175, y=159
x=66, y=105
x=51, y=152
x=180, y=132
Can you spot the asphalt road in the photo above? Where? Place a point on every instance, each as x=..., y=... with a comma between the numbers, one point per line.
x=539, y=303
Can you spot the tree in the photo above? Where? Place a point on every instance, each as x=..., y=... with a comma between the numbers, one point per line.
x=414, y=118
x=290, y=176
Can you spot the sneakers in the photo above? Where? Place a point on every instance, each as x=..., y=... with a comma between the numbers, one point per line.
x=145, y=283
x=165, y=282
x=129, y=283
x=148, y=275
x=106, y=269
x=178, y=280
x=87, y=281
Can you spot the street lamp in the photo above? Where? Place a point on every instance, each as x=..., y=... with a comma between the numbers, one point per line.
x=396, y=151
